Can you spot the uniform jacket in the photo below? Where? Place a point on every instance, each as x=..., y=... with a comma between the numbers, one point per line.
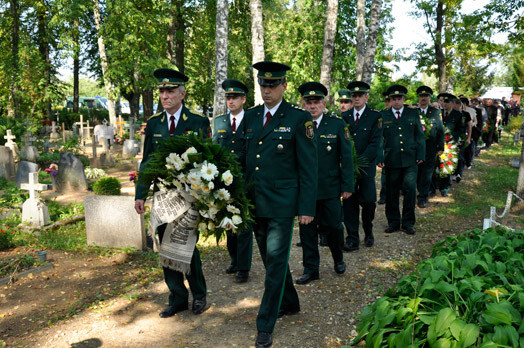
x=404, y=141
x=224, y=136
x=157, y=128
x=281, y=162
x=453, y=121
x=335, y=158
x=435, y=142
x=367, y=134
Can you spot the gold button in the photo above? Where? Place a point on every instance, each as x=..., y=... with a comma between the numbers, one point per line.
x=260, y=143
x=400, y=134
x=280, y=138
x=399, y=127
x=258, y=156
x=401, y=142
x=256, y=168
x=233, y=141
x=234, y=132
x=401, y=149
x=328, y=142
x=232, y=151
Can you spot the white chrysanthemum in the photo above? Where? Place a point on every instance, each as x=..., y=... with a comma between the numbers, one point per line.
x=197, y=187
x=211, y=226
x=209, y=171
x=188, y=151
x=237, y=220
x=207, y=188
x=227, y=178
x=202, y=227
x=232, y=209
x=175, y=160
x=222, y=194
x=227, y=224
x=193, y=177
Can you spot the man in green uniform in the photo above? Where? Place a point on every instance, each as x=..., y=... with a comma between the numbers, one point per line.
x=404, y=149
x=281, y=165
x=365, y=126
x=335, y=180
x=452, y=120
x=175, y=120
x=382, y=195
x=434, y=144
x=344, y=99
x=229, y=133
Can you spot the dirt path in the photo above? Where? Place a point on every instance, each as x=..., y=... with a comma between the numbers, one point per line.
x=36, y=311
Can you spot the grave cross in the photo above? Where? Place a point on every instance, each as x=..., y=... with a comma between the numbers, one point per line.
x=28, y=139
x=54, y=127
x=9, y=137
x=33, y=186
x=132, y=128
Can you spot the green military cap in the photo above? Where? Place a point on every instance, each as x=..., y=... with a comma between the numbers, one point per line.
x=424, y=90
x=385, y=95
x=448, y=97
x=397, y=90
x=169, y=78
x=344, y=94
x=312, y=90
x=270, y=73
x=234, y=87
x=358, y=87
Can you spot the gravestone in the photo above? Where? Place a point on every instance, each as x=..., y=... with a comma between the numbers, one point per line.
x=94, y=161
x=47, y=145
x=71, y=176
x=23, y=170
x=130, y=148
x=54, y=136
x=112, y=221
x=34, y=210
x=7, y=164
x=30, y=153
x=11, y=144
x=106, y=157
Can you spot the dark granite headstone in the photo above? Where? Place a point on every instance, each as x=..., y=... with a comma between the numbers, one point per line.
x=23, y=170
x=71, y=176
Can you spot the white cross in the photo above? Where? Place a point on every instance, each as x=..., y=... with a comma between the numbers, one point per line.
x=29, y=139
x=54, y=127
x=33, y=186
x=10, y=137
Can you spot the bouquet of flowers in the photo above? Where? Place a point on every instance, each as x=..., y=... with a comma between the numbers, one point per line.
x=52, y=170
x=488, y=127
x=426, y=125
x=210, y=174
x=449, y=158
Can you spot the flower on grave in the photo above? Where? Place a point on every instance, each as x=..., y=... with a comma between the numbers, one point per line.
x=52, y=170
x=133, y=176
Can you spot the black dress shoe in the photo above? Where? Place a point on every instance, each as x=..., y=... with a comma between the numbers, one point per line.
x=391, y=229
x=231, y=269
x=241, y=276
x=444, y=193
x=381, y=201
x=287, y=311
x=307, y=278
x=350, y=247
x=169, y=311
x=408, y=230
x=198, y=306
x=264, y=340
x=368, y=242
x=340, y=267
x=421, y=204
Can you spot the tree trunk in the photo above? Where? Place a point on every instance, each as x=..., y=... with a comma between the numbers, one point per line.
x=330, y=31
x=439, y=50
x=371, y=41
x=147, y=103
x=219, y=104
x=520, y=180
x=43, y=48
x=103, y=63
x=13, y=105
x=257, y=42
x=361, y=38
x=175, y=35
x=76, y=66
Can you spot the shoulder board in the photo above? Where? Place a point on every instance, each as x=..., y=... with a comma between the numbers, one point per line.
x=196, y=113
x=334, y=116
x=156, y=115
x=297, y=107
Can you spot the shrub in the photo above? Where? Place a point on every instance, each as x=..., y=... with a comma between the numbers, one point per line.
x=515, y=123
x=107, y=186
x=6, y=238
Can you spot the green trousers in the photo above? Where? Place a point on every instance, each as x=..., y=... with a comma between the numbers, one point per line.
x=397, y=178
x=328, y=217
x=240, y=248
x=425, y=176
x=178, y=294
x=273, y=237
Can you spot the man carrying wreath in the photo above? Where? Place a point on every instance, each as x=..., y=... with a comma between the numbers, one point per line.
x=175, y=120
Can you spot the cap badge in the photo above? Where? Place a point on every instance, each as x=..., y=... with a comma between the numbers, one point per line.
x=230, y=90
x=311, y=92
x=268, y=74
x=357, y=89
x=165, y=80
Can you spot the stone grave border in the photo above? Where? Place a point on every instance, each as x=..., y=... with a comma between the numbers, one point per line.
x=491, y=221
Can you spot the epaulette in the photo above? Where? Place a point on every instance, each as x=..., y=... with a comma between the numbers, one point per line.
x=197, y=113
x=254, y=106
x=333, y=115
x=297, y=107
x=410, y=106
x=155, y=115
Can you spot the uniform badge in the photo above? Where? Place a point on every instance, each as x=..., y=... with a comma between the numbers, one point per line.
x=310, y=133
x=346, y=133
x=184, y=117
x=380, y=123
x=328, y=148
x=222, y=131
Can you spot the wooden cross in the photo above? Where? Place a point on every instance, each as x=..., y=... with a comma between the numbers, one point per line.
x=33, y=186
x=9, y=137
x=120, y=125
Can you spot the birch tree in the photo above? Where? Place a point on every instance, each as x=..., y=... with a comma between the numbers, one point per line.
x=219, y=105
x=367, y=46
x=104, y=64
x=257, y=42
x=330, y=31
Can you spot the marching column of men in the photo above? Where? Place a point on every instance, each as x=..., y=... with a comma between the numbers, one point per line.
x=300, y=163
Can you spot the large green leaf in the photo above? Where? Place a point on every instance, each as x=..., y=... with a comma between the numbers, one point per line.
x=442, y=343
x=469, y=335
x=500, y=336
x=496, y=314
x=444, y=319
x=456, y=328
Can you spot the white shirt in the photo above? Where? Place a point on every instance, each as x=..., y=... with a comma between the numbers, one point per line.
x=271, y=111
x=395, y=111
x=360, y=113
x=425, y=111
x=238, y=118
x=318, y=120
x=177, y=117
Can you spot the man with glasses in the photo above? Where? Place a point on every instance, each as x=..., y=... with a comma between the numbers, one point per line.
x=365, y=126
x=281, y=166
